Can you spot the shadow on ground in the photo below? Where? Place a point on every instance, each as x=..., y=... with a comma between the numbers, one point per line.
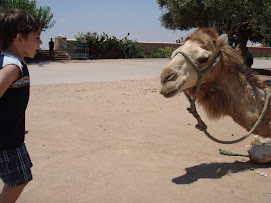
x=263, y=72
x=211, y=171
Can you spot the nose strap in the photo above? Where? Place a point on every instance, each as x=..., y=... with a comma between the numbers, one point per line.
x=191, y=61
x=201, y=73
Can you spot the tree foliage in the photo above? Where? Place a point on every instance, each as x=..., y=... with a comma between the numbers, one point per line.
x=105, y=46
x=240, y=19
x=43, y=13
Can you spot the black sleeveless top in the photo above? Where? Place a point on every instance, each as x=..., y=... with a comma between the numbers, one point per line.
x=13, y=105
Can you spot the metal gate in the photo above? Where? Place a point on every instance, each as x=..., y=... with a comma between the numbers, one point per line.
x=74, y=51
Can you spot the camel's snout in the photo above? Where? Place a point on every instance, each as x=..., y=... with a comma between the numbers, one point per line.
x=162, y=90
x=169, y=77
x=169, y=82
x=168, y=88
x=165, y=78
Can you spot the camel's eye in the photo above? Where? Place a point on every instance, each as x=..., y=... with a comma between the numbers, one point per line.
x=203, y=60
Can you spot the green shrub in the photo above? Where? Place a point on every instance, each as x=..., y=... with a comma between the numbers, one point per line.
x=161, y=52
x=257, y=55
x=104, y=46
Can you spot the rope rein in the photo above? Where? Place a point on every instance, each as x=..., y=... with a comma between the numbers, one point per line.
x=201, y=125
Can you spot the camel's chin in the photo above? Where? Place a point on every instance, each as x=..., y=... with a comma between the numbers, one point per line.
x=172, y=93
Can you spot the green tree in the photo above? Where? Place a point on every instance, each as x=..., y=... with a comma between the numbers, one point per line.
x=242, y=20
x=101, y=45
x=43, y=13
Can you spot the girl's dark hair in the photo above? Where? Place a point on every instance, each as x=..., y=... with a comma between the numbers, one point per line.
x=15, y=21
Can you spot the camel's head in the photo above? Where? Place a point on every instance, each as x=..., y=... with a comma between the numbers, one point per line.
x=203, y=47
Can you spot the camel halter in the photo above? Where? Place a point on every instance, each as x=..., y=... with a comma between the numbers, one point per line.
x=201, y=125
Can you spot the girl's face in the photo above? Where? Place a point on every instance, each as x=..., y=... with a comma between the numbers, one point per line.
x=31, y=43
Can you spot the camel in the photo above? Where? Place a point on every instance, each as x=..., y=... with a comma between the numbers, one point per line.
x=230, y=88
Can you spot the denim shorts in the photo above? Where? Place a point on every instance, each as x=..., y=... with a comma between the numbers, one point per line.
x=15, y=166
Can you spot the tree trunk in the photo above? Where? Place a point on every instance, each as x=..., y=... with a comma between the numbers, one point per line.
x=242, y=45
x=242, y=41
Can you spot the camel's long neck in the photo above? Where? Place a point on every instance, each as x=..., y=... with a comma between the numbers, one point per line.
x=240, y=100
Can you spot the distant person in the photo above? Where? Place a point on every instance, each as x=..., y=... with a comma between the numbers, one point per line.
x=51, y=49
x=19, y=38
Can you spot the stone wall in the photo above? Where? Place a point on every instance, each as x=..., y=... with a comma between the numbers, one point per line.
x=260, y=51
x=157, y=45
x=57, y=44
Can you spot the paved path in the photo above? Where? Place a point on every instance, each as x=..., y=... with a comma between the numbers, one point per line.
x=104, y=70
x=262, y=63
x=95, y=70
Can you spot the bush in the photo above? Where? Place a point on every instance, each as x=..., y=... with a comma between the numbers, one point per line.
x=104, y=46
x=161, y=52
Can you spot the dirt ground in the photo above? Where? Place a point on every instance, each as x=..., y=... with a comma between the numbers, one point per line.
x=121, y=141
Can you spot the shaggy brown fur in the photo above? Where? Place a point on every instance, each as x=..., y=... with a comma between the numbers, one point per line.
x=230, y=88
x=214, y=93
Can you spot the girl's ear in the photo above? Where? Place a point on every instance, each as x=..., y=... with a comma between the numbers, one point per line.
x=19, y=37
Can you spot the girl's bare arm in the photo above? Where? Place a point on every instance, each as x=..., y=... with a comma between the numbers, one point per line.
x=8, y=75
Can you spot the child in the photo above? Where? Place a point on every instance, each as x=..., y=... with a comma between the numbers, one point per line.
x=19, y=38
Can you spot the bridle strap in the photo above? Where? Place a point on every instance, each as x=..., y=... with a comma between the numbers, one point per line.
x=201, y=125
x=201, y=73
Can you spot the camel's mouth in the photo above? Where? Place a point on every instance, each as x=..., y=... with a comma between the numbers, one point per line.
x=169, y=91
x=171, y=94
x=172, y=88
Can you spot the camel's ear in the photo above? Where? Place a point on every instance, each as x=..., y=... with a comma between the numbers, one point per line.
x=222, y=41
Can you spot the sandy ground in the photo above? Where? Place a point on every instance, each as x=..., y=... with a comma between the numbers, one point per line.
x=99, y=136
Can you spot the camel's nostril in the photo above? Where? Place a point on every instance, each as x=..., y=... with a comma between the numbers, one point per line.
x=170, y=77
